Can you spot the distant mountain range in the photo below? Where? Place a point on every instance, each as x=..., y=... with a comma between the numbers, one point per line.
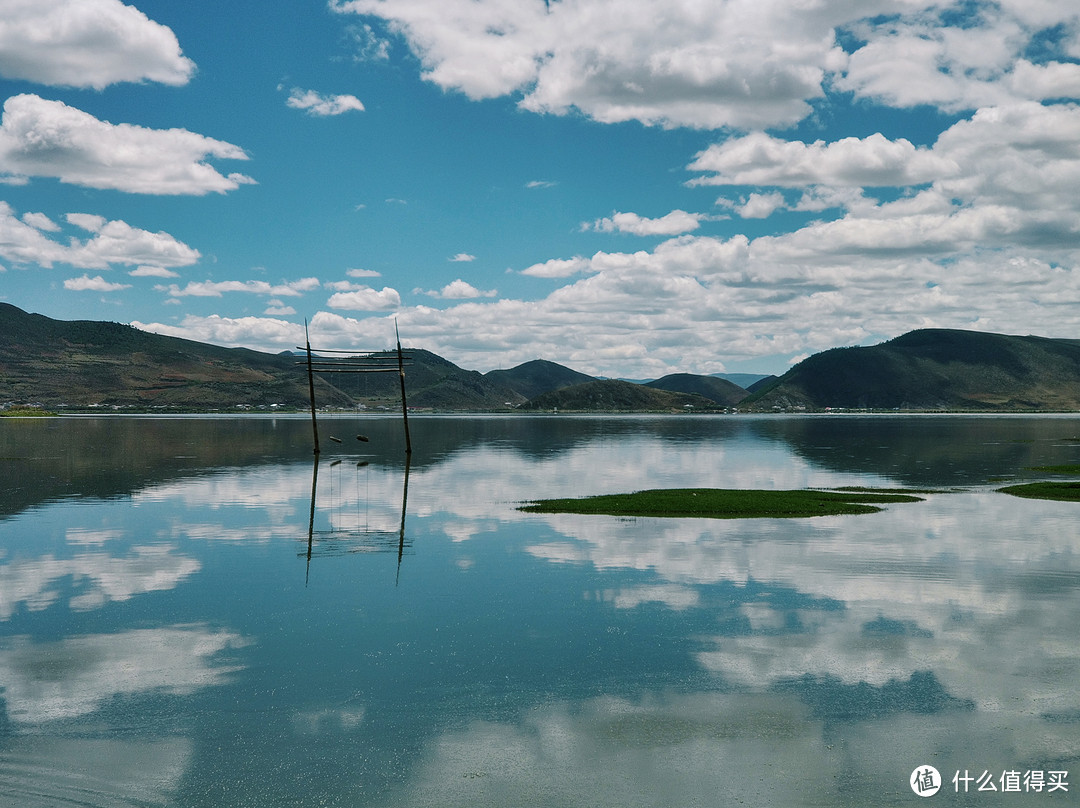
x=934, y=369
x=87, y=364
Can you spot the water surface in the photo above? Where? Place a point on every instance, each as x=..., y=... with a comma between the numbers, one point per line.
x=193, y=612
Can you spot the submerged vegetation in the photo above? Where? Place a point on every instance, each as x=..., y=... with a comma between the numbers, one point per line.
x=728, y=503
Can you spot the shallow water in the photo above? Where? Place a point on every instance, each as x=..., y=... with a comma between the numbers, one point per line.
x=182, y=623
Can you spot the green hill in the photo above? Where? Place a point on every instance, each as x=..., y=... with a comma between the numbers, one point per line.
x=612, y=395
x=86, y=363
x=539, y=376
x=933, y=369
x=717, y=390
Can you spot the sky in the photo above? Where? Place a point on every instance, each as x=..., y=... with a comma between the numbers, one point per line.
x=627, y=187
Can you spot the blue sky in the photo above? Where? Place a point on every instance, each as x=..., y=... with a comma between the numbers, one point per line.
x=629, y=188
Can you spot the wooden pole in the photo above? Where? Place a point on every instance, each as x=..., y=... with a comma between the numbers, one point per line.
x=404, y=405
x=311, y=389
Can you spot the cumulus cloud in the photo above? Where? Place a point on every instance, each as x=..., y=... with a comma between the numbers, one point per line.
x=666, y=62
x=218, y=288
x=366, y=299
x=558, y=268
x=363, y=273
x=114, y=242
x=959, y=58
x=152, y=272
x=678, y=221
x=41, y=138
x=760, y=206
x=279, y=309
x=40, y=221
x=91, y=43
x=458, y=290
x=463, y=258
x=322, y=106
x=265, y=332
x=761, y=159
x=95, y=284
x=743, y=64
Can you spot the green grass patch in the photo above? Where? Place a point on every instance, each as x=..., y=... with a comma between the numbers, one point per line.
x=26, y=413
x=723, y=503
x=1056, y=491
x=1064, y=468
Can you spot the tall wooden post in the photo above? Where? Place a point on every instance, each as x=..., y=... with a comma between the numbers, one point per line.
x=404, y=405
x=311, y=389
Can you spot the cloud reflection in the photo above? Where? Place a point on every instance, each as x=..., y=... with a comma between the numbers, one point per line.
x=50, y=681
x=97, y=578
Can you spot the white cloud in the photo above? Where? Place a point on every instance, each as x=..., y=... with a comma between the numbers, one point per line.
x=218, y=288
x=95, y=284
x=760, y=206
x=363, y=273
x=370, y=47
x=366, y=299
x=152, y=272
x=463, y=257
x=114, y=242
x=264, y=332
x=40, y=138
x=743, y=63
x=40, y=221
x=668, y=62
x=322, y=106
x=920, y=58
x=459, y=290
x=760, y=159
x=671, y=224
x=558, y=268
x=90, y=43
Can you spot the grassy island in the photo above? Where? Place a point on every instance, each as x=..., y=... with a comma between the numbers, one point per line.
x=1056, y=491
x=727, y=503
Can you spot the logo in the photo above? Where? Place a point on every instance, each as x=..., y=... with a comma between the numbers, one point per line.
x=925, y=781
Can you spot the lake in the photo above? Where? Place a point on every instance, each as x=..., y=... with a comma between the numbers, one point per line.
x=193, y=612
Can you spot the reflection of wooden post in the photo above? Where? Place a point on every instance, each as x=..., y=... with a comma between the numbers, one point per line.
x=404, y=505
x=404, y=405
x=311, y=388
x=311, y=516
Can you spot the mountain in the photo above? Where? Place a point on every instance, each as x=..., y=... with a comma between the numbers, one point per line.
x=613, y=395
x=536, y=377
x=98, y=364
x=933, y=369
x=430, y=382
x=760, y=384
x=718, y=390
x=83, y=364
x=744, y=380
x=86, y=363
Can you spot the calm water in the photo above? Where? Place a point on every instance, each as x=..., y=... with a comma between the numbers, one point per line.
x=182, y=623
